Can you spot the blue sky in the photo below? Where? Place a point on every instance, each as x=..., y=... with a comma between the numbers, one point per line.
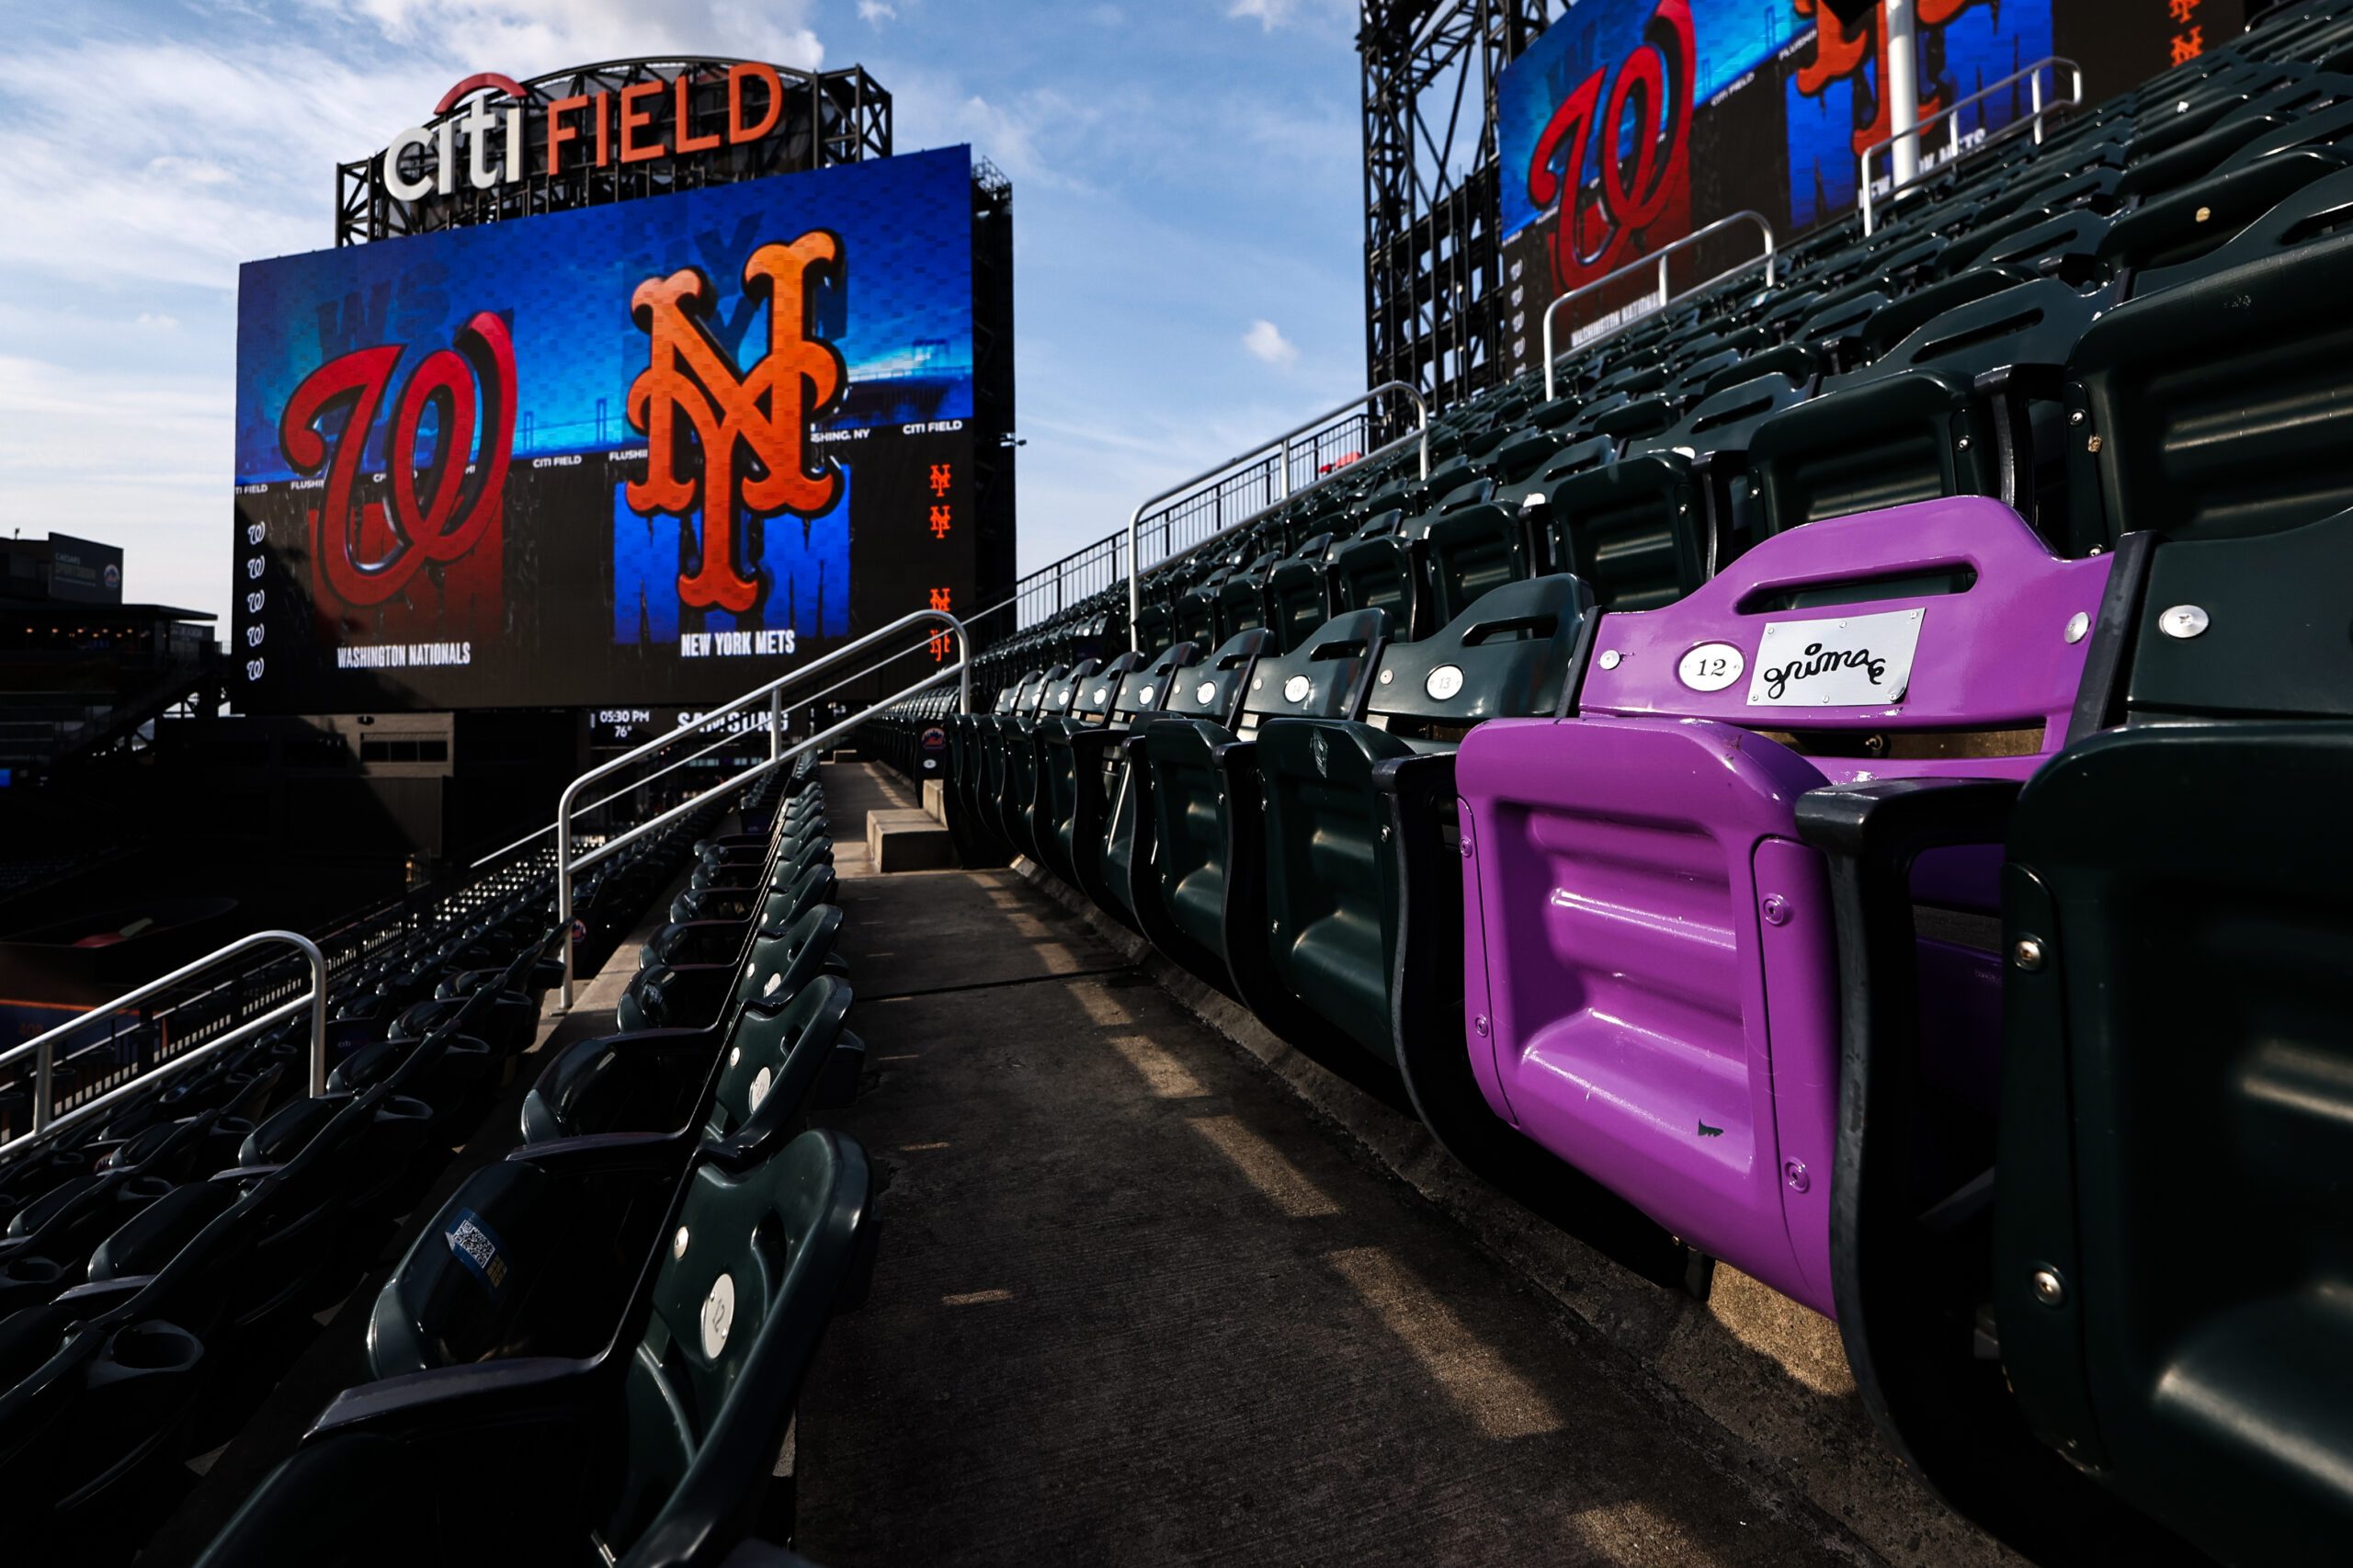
x=1186, y=219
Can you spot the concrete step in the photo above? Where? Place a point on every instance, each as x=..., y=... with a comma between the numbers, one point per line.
x=905, y=840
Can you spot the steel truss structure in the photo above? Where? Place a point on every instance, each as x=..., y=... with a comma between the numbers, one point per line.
x=1436, y=304
x=829, y=118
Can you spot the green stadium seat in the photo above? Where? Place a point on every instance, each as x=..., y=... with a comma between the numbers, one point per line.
x=741, y=1087
x=1196, y=798
x=1963, y=406
x=658, y=1450
x=1354, y=928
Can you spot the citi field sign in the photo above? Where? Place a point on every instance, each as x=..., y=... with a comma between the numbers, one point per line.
x=507, y=133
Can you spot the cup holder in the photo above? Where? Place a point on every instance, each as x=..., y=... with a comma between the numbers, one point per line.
x=155, y=1346
x=30, y=1271
x=403, y=1108
x=146, y=1189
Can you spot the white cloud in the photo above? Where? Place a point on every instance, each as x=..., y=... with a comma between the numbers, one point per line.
x=877, y=12
x=1032, y=137
x=1266, y=340
x=212, y=147
x=523, y=38
x=1273, y=14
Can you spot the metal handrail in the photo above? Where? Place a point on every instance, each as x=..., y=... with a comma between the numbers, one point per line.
x=1693, y=238
x=146, y=1080
x=840, y=727
x=774, y=727
x=42, y=1047
x=2032, y=75
x=1136, y=520
x=774, y=692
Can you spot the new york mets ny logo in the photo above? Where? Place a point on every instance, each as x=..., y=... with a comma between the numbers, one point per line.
x=752, y=428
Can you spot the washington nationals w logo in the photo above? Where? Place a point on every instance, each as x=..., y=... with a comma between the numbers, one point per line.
x=750, y=429
x=368, y=553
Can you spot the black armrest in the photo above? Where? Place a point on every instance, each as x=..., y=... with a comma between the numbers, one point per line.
x=244, y=1173
x=1234, y=759
x=612, y=1153
x=87, y=1303
x=1091, y=744
x=1885, y=1285
x=2009, y=391
x=1422, y=776
x=519, y=1389
x=1871, y=833
x=710, y=1037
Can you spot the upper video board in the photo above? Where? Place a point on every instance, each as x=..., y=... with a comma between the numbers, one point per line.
x=654, y=452
x=1628, y=125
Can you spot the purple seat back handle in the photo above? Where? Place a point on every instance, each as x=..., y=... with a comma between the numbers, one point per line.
x=2008, y=651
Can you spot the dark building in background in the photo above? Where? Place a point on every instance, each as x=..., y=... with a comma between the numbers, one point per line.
x=80, y=670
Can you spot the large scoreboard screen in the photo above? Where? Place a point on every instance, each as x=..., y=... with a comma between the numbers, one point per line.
x=1628, y=125
x=651, y=453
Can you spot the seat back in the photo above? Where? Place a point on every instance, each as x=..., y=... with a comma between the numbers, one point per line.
x=1327, y=677
x=524, y=1259
x=1378, y=569
x=2181, y=226
x=1650, y=528
x=2168, y=379
x=2242, y=628
x=1242, y=597
x=1102, y=832
x=786, y=958
x=1912, y=424
x=1299, y=592
x=759, y=1262
x=1467, y=550
x=1212, y=689
x=777, y=1054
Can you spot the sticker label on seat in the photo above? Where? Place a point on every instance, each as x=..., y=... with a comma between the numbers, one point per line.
x=1853, y=661
x=762, y=1081
x=475, y=1246
x=1205, y=693
x=1444, y=682
x=718, y=1315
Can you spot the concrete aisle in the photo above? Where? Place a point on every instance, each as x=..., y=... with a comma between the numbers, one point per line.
x=1137, y=1302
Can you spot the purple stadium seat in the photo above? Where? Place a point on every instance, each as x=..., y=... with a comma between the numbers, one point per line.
x=1652, y=976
